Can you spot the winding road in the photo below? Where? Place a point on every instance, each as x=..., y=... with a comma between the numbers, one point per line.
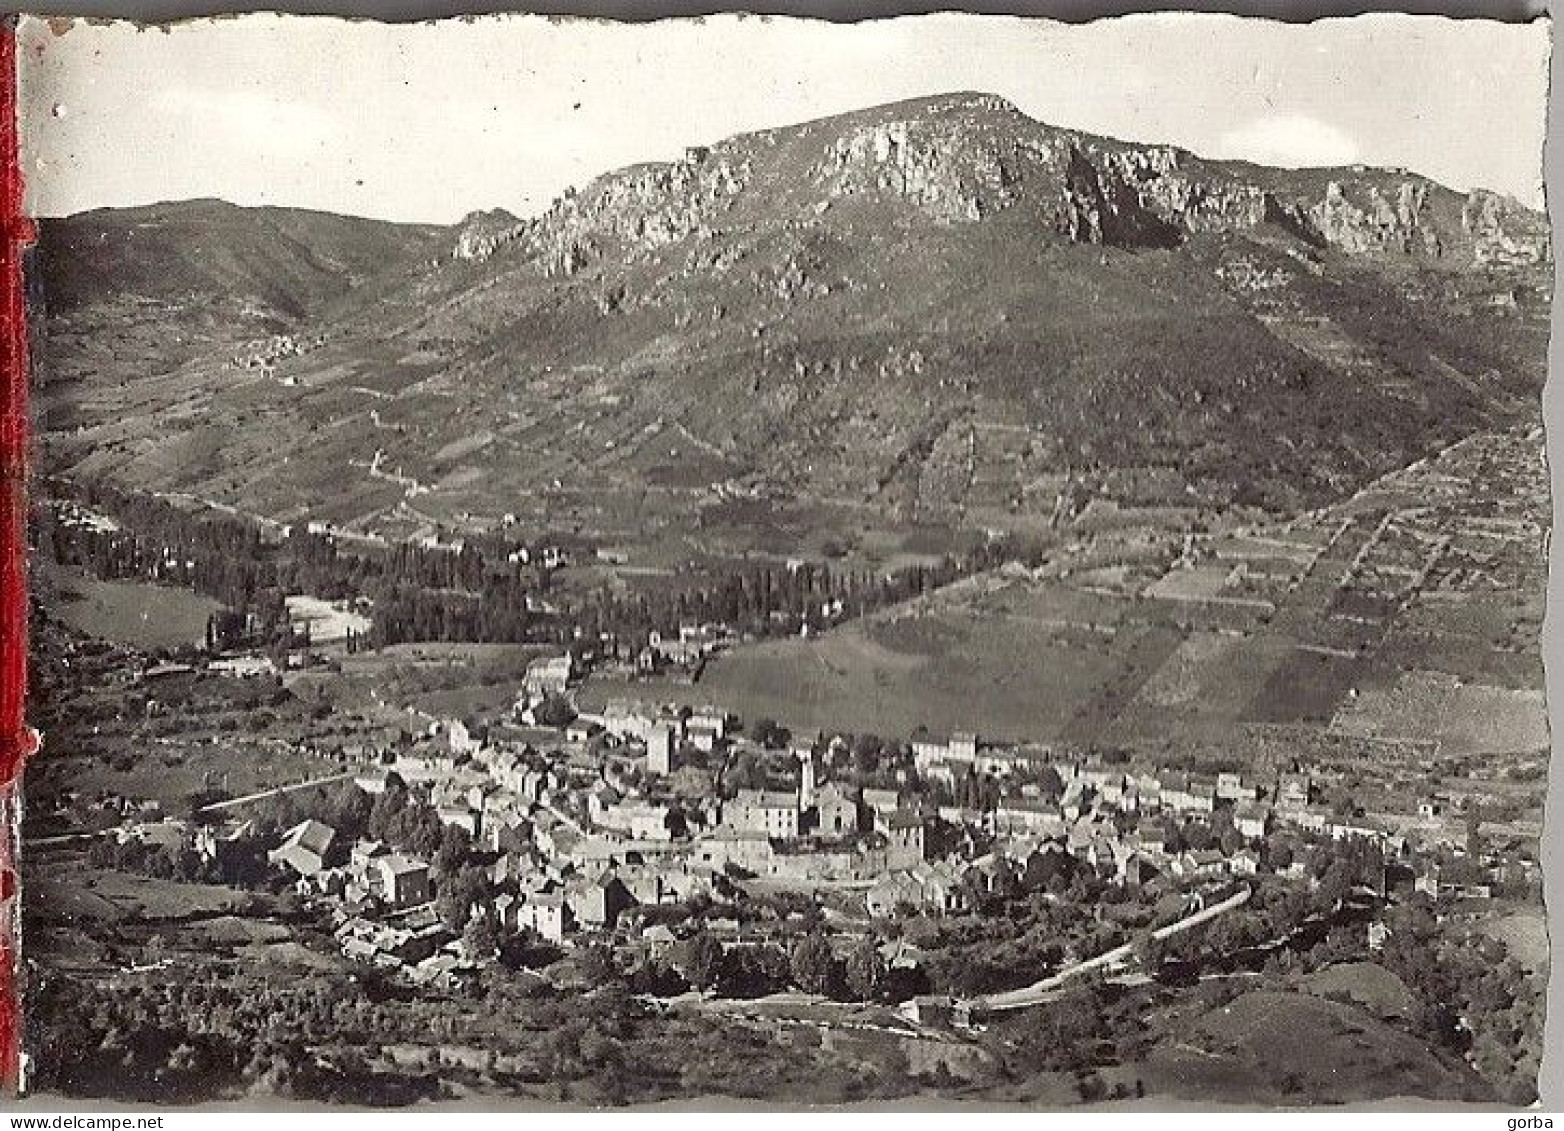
x=229, y=803
x=1042, y=990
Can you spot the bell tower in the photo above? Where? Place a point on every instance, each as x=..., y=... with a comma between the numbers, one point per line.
x=806, y=777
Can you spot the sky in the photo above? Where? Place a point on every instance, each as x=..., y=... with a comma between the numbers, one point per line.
x=428, y=122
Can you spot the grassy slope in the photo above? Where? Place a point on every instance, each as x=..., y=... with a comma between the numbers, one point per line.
x=1269, y=1046
x=128, y=612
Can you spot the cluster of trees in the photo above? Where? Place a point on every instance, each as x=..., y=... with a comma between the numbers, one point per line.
x=217, y=554
x=1091, y=1024
x=770, y=599
x=1059, y=910
x=477, y=591
x=602, y=1046
x=474, y=592
x=1054, y=913
x=473, y=599
x=870, y=762
x=749, y=970
x=1283, y=927
x=208, y=1035
x=403, y=612
x=244, y=866
x=188, y=1040
x=1475, y=998
x=393, y=815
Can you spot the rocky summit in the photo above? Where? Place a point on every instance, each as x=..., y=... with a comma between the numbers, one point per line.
x=971, y=157
x=937, y=311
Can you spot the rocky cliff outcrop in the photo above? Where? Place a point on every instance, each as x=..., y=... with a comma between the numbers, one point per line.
x=481, y=234
x=1363, y=219
x=928, y=161
x=972, y=158
x=1503, y=231
x=637, y=209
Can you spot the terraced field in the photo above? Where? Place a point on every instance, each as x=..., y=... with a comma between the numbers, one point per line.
x=1077, y=654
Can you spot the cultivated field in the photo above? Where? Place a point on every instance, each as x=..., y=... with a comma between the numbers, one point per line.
x=1319, y=625
x=1464, y=718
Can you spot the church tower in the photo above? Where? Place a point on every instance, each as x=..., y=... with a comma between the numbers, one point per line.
x=806, y=778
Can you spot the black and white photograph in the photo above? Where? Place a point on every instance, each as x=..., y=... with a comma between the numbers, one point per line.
x=935, y=561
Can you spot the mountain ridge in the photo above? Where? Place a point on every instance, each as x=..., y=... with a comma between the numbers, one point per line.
x=929, y=311
x=1112, y=190
x=1263, y=200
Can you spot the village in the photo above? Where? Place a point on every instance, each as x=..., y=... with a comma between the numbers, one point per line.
x=936, y=817
x=908, y=825
x=561, y=829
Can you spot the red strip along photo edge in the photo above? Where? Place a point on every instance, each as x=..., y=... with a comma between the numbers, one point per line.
x=16, y=740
